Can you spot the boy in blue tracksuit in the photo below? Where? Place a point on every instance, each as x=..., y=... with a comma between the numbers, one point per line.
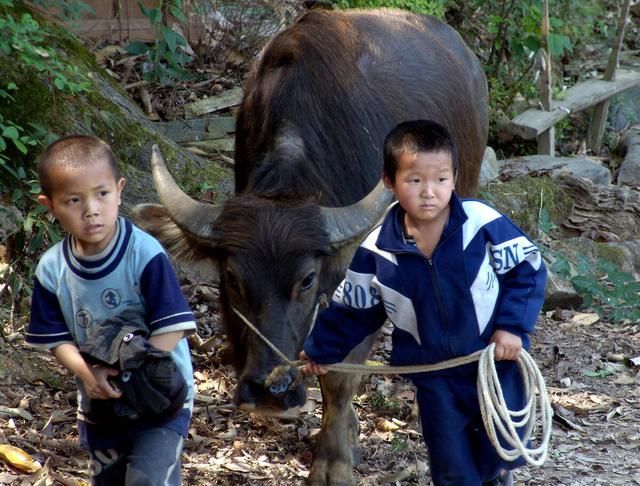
x=452, y=275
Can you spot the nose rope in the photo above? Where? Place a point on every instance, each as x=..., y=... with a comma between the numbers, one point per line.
x=500, y=423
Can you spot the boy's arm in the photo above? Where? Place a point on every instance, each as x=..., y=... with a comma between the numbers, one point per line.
x=94, y=378
x=166, y=341
x=355, y=311
x=522, y=290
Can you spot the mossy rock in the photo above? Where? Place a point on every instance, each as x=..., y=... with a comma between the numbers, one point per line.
x=623, y=254
x=523, y=200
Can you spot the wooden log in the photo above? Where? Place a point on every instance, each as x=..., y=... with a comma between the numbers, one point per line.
x=226, y=99
x=195, y=129
x=601, y=210
x=215, y=146
x=599, y=118
x=531, y=123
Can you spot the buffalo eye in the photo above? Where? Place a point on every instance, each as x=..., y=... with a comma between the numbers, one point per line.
x=307, y=282
x=231, y=282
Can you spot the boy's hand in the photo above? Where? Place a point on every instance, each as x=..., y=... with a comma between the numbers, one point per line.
x=508, y=346
x=94, y=378
x=310, y=367
x=99, y=387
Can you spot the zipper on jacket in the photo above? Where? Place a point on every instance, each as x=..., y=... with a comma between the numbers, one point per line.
x=440, y=302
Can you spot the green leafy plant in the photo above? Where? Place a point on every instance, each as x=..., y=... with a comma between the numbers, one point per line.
x=66, y=10
x=506, y=36
x=545, y=224
x=398, y=444
x=383, y=404
x=604, y=286
x=26, y=40
x=431, y=7
x=165, y=59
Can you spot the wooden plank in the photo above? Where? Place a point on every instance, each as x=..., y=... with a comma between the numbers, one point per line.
x=532, y=122
x=113, y=29
x=547, y=139
x=195, y=129
x=601, y=111
x=226, y=99
x=215, y=146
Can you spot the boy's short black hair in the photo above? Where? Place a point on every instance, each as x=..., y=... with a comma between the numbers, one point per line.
x=416, y=136
x=73, y=151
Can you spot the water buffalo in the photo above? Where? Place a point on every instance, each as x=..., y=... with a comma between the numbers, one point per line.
x=316, y=108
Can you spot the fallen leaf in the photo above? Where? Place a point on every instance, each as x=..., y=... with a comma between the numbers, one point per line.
x=237, y=464
x=584, y=319
x=614, y=412
x=18, y=458
x=624, y=379
x=385, y=425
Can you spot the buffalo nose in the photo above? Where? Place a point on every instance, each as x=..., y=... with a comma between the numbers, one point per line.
x=281, y=386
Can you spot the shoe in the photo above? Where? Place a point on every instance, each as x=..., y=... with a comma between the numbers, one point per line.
x=505, y=479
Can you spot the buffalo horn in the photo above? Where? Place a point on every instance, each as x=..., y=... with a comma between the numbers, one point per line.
x=193, y=217
x=347, y=223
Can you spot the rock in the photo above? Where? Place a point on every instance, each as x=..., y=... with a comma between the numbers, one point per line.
x=629, y=173
x=491, y=167
x=559, y=293
x=10, y=218
x=588, y=168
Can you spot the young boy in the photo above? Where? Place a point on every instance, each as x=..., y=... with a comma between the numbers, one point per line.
x=107, y=272
x=452, y=275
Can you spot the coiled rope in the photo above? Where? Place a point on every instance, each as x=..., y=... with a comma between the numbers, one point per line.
x=500, y=423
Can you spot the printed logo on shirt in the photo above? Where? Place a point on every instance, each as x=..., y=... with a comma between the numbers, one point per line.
x=511, y=253
x=83, y=318
x=357, y=290
x=490, y=279
x=111, y=298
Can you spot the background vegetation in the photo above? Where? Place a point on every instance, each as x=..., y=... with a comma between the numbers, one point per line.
x=505, y=34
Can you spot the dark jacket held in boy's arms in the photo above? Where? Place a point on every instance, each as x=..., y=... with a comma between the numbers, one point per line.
x=309, y=133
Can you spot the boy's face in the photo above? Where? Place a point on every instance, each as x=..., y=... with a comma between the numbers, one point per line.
x=423, y=185
x=86, y=201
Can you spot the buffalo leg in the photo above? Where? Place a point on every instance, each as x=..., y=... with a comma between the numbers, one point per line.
x=333, y=456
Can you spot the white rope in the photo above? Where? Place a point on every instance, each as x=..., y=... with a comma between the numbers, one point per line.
x=499, y=422
x=496, y=414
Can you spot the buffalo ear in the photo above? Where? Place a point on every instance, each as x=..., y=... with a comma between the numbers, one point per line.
x=155, y=220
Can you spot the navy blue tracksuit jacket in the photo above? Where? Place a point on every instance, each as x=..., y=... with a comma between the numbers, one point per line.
x=485, y=274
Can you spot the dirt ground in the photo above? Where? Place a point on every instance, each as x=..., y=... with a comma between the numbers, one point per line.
x=592, y=382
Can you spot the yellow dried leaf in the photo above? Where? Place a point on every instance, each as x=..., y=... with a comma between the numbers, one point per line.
x=385, y=425
x=585, y=319
x=18, y=458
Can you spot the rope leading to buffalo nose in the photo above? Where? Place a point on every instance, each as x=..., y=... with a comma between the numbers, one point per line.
x=500, y=423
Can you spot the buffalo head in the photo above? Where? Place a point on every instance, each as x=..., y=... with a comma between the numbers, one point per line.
x=276, y=256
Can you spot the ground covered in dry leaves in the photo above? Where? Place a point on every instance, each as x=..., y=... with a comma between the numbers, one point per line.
x=592, y=381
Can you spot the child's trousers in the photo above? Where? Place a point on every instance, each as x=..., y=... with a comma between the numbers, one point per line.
x=460, y=452
x=153, y=459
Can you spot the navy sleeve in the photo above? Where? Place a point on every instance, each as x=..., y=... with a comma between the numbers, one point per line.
x=167, y=308
x=522, y=275
x=47, y=327
x=352, y=315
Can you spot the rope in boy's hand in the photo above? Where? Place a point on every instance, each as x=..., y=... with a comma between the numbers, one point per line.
x=498, y=419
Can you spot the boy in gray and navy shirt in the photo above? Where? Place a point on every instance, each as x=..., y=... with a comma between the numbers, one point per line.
x=104, y=284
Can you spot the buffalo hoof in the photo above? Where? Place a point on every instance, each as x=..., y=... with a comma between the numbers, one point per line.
x=336, y=473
